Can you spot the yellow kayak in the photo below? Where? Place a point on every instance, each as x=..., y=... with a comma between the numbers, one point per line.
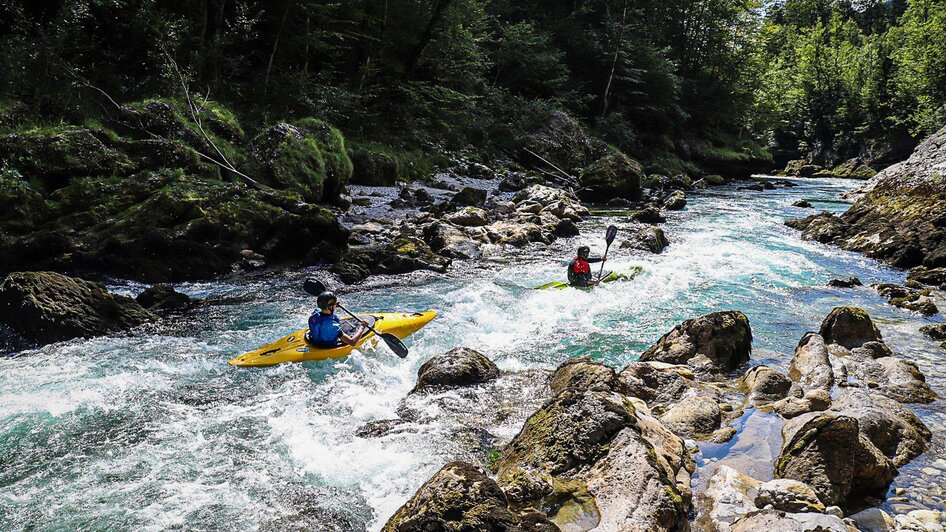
x=297, y=348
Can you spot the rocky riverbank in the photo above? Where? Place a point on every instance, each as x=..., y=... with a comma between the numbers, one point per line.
x=612, y=450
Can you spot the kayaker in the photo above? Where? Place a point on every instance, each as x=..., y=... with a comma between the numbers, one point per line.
x=325, y=329
x=579, y=269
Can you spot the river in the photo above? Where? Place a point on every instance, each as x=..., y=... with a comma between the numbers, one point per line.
x=155, y=431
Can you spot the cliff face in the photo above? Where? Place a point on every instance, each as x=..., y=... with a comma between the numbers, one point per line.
x=901, y=218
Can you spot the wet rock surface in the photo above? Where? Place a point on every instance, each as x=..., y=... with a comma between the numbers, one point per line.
x=460, y=366
x=717, y=342
x=47, y=307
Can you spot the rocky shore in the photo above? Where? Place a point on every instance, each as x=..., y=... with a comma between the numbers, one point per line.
x=613, y=450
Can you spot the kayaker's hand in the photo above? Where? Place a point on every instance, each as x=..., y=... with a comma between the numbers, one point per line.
x=364, y=324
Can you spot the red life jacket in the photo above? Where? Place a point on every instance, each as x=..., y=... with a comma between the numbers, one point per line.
x=580, y=265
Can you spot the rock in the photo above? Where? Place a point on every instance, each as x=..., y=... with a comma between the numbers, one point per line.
x=362, y=201
x=818, y=399
x=451, y=241
x=714, y=180
x=826, y=451
x=718, y=342
x=563, y=142
x=602, y=460
x=804, y=204
x=655, y=382
x=854, y=168
x=722, y=435
x=460, y=366
x=725, y=499
x=647, y=238
x=894, y=377
x=936, y=332
x=46, y=307
x=516, y=234
x=766, y=385
x=873, y=520
x=373, y=165
x=842, y=283
x=890, y=426
x=614, y=175
x=929, y=276
x=755, y=186
x=620, y=203
x=163, y=297
x=649, y=215
x=54, y=155
x=469, y=217
x=461, y=497
x=814, y=401
x=566, y=228
x=582, y=374
x=403, y=255
x=469, y=196
x=307, y=156
x=788, y=495
x=810, y=366
x=676, y=201
x=850, y=327
x=790, y=522
x=823, y=227
x=694, y=416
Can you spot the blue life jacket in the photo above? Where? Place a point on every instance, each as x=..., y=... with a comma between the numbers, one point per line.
x=324, y=329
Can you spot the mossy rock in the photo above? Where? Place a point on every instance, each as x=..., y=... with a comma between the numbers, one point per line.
x=307, y=157
x=714, y=179
x=849, y=327
x=615, y=175
x=54, y=155
x=21, y=207
x=373, y=165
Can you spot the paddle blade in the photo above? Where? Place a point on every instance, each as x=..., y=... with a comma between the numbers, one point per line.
x=395, y=344
x=610, y=234
x=313, y=286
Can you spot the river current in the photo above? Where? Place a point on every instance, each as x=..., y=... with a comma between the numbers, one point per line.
x=154, y=431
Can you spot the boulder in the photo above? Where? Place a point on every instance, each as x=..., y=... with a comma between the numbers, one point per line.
x=468, y=217
x=676, y=201
x=791, y=522
x=55, y=155
x=582, y=374
x=890, y=426
x=766, y=385
x=373, y=165
x=647, y=238
x=517, y=234
x=649, y=215
x=936, y=331
x=460, y=366
x=163, y=297
x=891, y=376
x=815, y=400
x=461, y=497
x=826, y=451
x=307, y=156
x=696, y=415
x=46, y=307
x=717, y=342
x=850, y=327
x=845, y=283
x=655, y=382
x=811, y=366
x=614, y=175
x=873, y=520
x=404, y=254
x=598, y=460
x=725, y=500
x=823, y=227
x=804, y=204
x=929, y=276
x=562, y=141
x=469, y=196
x=854, y=168
x=788, y=495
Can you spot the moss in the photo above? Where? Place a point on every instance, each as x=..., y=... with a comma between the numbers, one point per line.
x=714, y=179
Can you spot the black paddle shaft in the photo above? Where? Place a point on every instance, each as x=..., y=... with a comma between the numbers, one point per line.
x=608, y=237
x=316, y=287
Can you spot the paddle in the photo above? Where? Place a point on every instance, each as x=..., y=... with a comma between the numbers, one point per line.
x=608, y=237
x=315, y=287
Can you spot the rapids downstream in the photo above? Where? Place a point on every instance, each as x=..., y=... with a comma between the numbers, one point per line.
x=156, y=431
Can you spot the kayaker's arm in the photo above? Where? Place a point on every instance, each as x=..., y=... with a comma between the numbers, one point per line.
x=597, y=259
x=355, y=338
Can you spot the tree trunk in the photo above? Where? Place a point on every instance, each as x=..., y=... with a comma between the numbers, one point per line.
x=614, y=63
x=440, y=6
x=272, y=55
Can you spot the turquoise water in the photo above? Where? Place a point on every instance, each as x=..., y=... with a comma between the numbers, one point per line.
x=155, y=431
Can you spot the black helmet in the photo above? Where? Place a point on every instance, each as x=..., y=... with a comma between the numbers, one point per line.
x=583, y=250
x=325, y=299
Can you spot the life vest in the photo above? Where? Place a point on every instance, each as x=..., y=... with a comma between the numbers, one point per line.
x=579, y=272
x=324, y=329
x=579, y=265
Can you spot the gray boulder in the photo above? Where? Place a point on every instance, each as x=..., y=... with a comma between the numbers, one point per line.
x=655, y=382
x=890, y=426
x=810, y=366
x=850, y=327
x=766, y=385
x=582, y=374
x=788, y=495
x=717, y=342
x=460, y=366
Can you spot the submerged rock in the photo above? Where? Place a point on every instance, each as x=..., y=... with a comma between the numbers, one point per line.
x=460, y=366
x=845, y=283
x=48, y=307
x=162, y=297
x=717, y=342
x=805, y=204
x=461, y=497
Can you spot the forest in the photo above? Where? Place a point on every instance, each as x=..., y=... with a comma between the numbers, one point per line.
x=670, y=83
